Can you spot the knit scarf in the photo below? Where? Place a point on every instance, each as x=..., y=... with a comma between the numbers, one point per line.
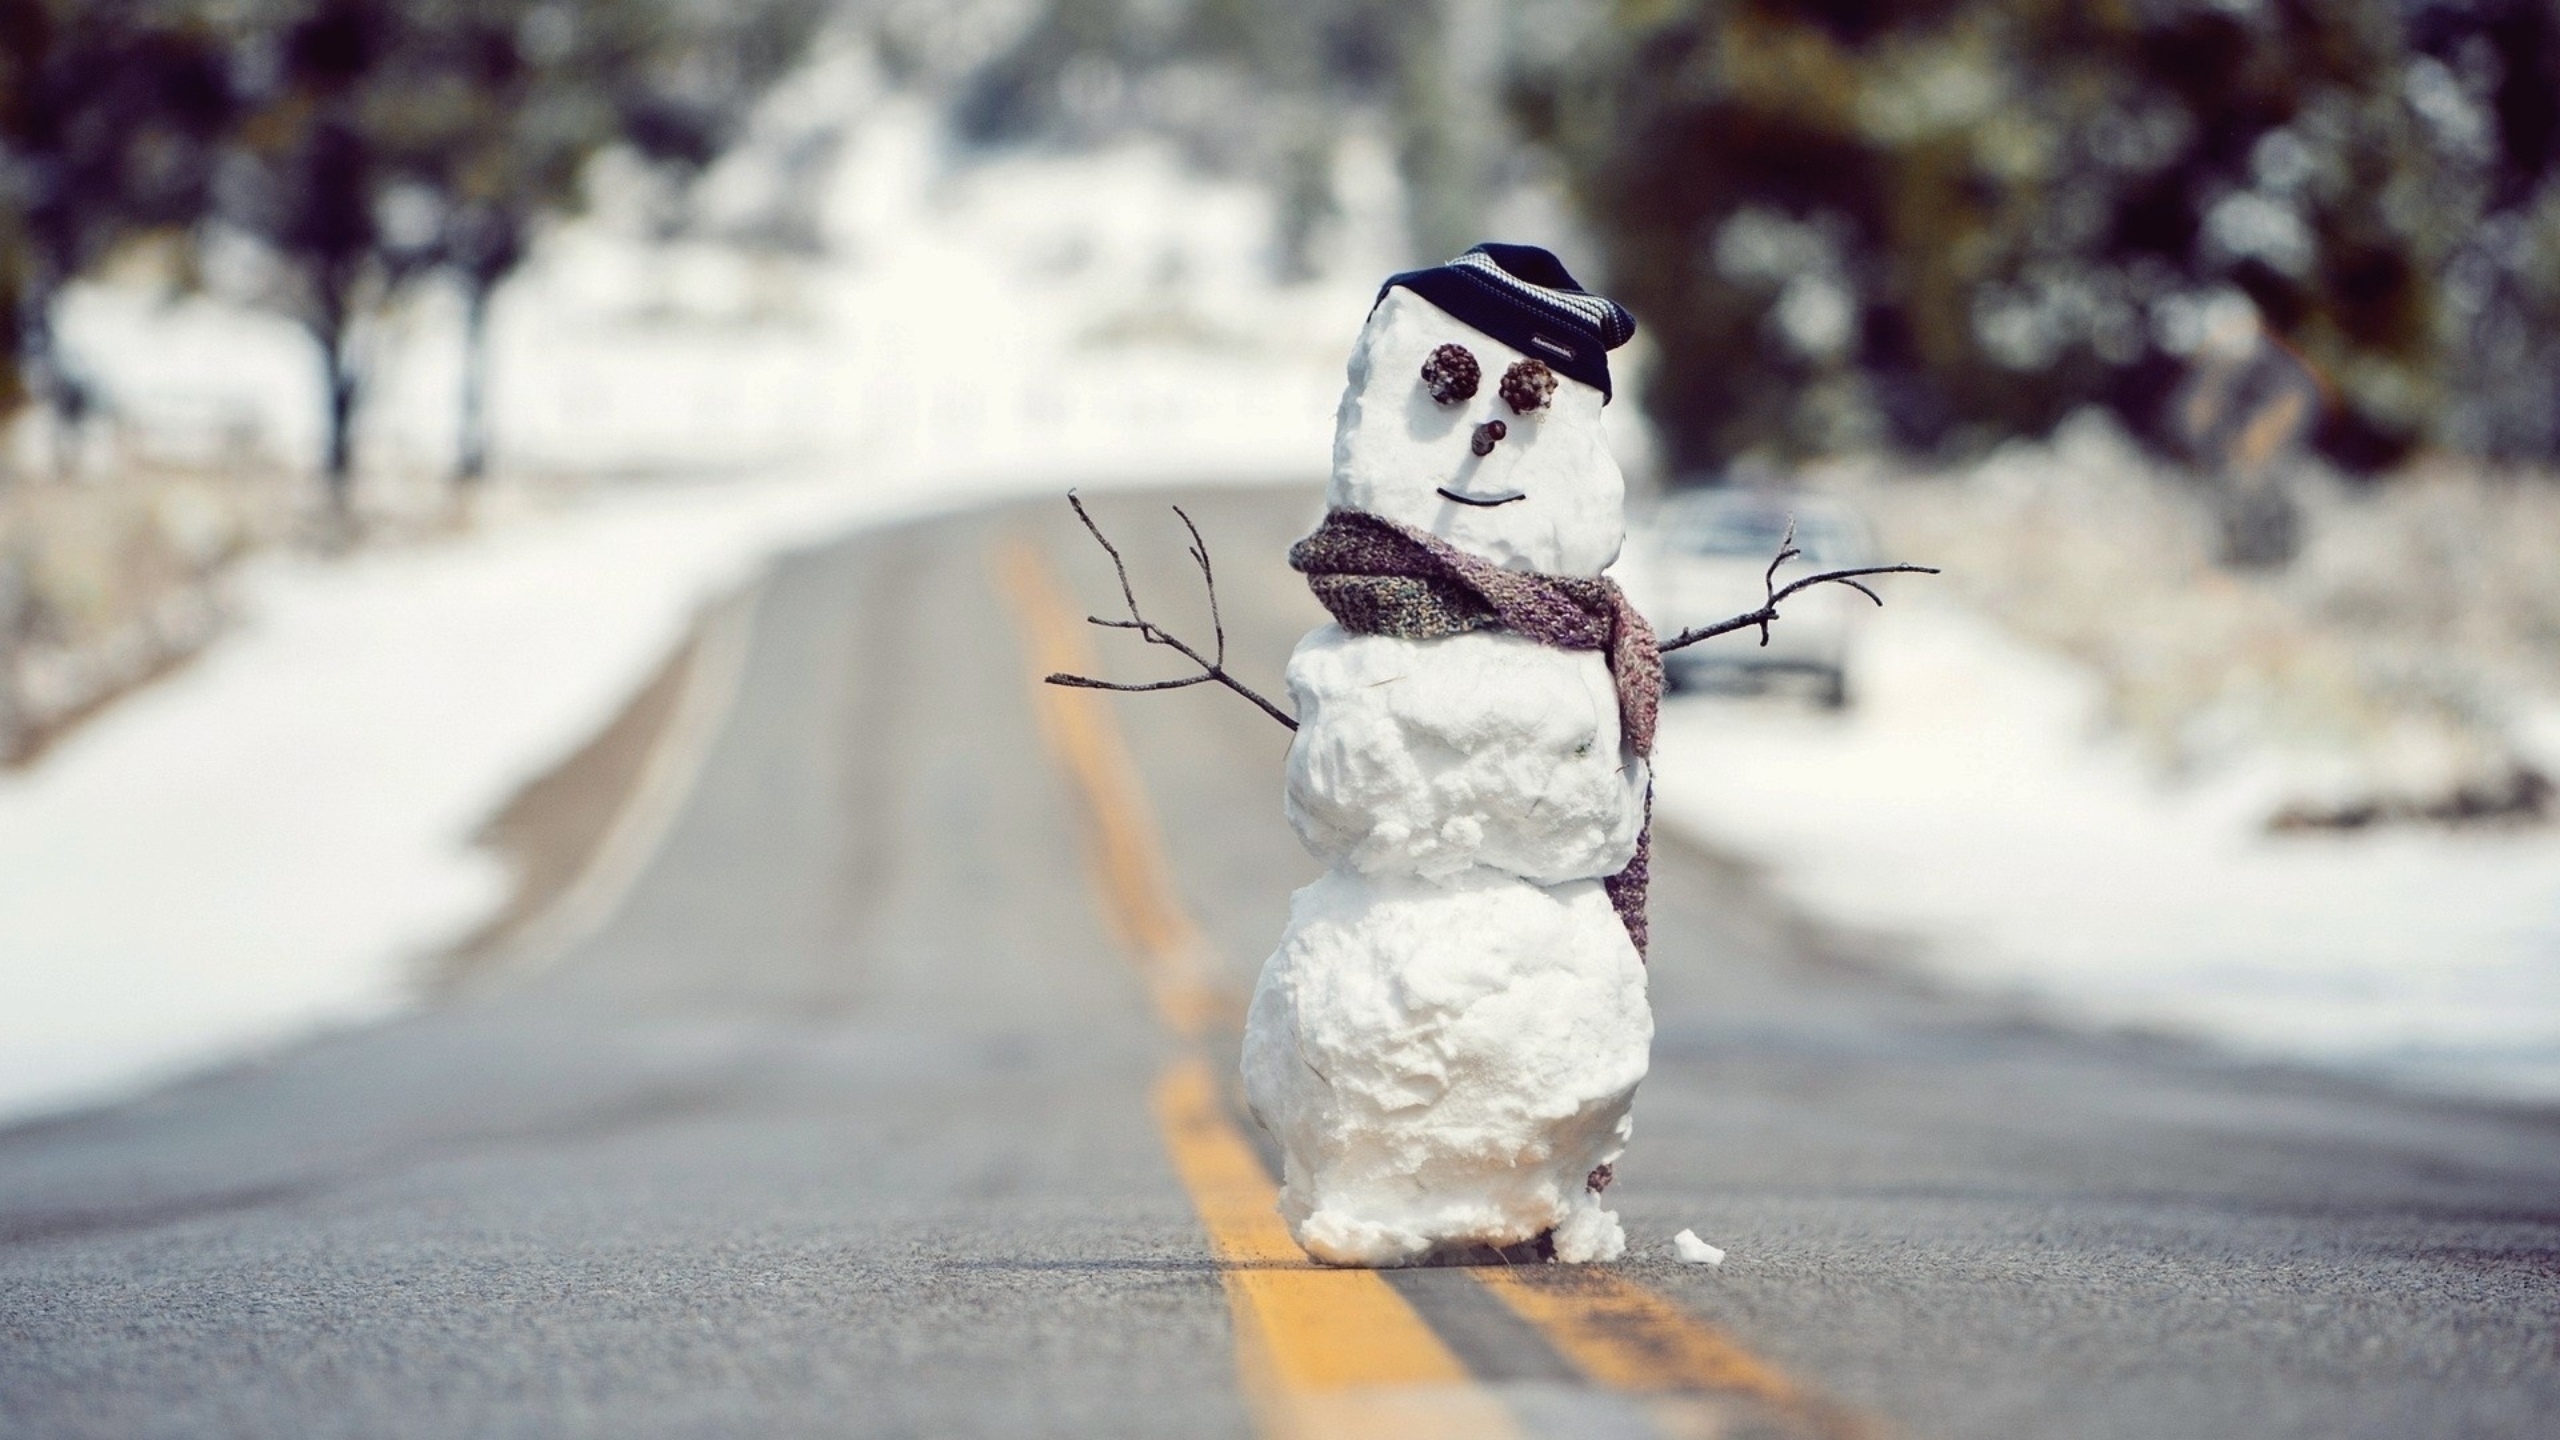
x=1382, y=578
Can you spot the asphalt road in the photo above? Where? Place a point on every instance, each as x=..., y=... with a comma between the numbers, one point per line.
x=846, y=1120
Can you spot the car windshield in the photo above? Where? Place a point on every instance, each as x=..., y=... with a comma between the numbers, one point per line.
x=1752, y=531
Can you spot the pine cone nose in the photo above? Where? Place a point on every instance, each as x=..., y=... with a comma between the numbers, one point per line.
x=1488, y=435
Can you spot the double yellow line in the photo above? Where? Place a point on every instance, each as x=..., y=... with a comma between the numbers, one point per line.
x=1334, y=1354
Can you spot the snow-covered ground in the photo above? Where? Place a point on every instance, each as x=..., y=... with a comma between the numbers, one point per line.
x=1969, y=806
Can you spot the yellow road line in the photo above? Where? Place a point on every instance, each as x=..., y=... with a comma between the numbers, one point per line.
x=1626, y=1337
x=1323, y=1354
x=1329, y=1353
x=1130, y=871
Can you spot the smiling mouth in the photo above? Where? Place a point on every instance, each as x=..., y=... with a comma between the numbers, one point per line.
x=1448, y=494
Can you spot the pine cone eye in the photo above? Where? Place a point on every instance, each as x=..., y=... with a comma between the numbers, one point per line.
x=1452, y=374
x=1528, y=386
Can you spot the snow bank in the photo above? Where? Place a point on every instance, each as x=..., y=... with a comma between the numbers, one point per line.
x=2392, y=666
x=1964, y=804
x=257, y=844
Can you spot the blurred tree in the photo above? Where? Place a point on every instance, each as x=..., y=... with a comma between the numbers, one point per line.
x=311, y=177
x=1928, y=221
x=392, y=140
x=109, y=113
x=1262, y=88
x=2486, y=80
x=516, y=96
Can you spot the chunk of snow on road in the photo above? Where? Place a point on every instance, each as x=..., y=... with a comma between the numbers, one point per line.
x=1694, y=1251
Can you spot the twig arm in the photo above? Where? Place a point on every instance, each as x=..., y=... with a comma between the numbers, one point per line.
x=1213, y=667
x=1087, y=682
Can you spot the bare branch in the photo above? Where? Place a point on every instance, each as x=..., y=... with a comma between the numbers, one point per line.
x=1208, y=581
x=1083, y=682
x=1213, y=667
x=1849, y=578
x=1119, y=567
x=1786, y=551
x=1768, y=610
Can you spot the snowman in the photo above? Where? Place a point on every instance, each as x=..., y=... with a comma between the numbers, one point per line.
x=1449, y=1036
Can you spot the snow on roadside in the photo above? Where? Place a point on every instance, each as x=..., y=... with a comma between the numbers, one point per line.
x=1964, y=806
x=252, y=847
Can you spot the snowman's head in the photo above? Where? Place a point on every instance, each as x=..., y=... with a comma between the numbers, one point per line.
x=1473, y=412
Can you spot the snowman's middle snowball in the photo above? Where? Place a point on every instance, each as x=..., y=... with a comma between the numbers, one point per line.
x=1429, y=757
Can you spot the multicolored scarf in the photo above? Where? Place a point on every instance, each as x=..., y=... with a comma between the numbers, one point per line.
x=1382, y=578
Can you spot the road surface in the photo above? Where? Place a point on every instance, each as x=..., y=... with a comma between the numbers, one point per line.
x=886, y=1095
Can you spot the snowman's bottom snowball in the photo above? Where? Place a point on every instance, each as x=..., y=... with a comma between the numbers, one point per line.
x=1444, y=1063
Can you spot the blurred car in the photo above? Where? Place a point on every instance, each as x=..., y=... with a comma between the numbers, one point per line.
x=1706, y=555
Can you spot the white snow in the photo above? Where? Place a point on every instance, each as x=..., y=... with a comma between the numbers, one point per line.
x=1396, y=448
x=1968, y=805
x=1426, y=757
x=1694, y=1251
x=254, y=846
x=1446, y=1062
